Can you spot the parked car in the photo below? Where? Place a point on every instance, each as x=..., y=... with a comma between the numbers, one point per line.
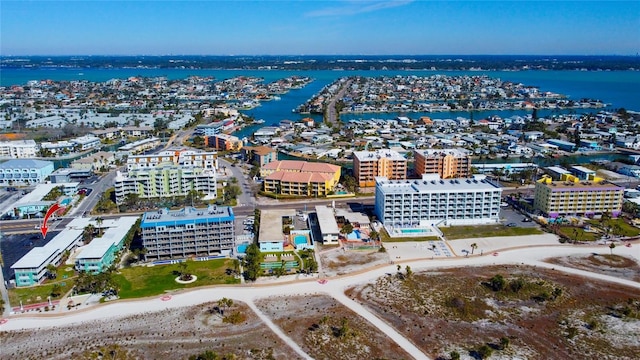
x=526, y=220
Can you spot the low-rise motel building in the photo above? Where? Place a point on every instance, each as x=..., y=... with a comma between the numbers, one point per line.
x=272, y=236
x=448, y=163
x=189, y=232
x=102, y=251
x=432, y=201
x=139, y=146
x=327, y=224
x=573, y=196
x=31, y=269
x=300, y=178
x=367, y=165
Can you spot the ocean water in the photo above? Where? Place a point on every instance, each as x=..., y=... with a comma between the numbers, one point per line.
x=618, y=88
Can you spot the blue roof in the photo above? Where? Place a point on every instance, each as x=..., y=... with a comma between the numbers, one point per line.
x=188, y=215
x=25, y=163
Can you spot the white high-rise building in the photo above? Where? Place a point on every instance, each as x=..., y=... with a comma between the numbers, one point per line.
x=433, y=201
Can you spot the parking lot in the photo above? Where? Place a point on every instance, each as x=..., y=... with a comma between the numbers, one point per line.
x=15, y=246
x=510, y=216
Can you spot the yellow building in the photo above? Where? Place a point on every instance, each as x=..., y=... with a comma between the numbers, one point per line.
x=367, y=165
x=572, y=196
x=300, y=178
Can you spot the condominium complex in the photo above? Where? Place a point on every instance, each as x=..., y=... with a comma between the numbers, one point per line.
x=139, y=146
x=260, y=155
x=447, y=163
x=24, y=171
x=18, y=149
x=433, y=201
x=205, y=160
x=168, y=234
x=367, y=165
x=223, y=142
x=300, y=178
x=31, y=269
x=165, y=180
x=572, y=196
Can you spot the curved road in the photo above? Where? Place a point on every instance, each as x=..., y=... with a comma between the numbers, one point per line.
x=334, y=287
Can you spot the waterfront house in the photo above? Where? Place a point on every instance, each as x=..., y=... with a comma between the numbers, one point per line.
x=562, y=145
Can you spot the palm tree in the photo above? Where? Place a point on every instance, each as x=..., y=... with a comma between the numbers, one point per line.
x=611, y=247
x=51, y=270
x=374, y=235
x=346, y=229
x=474, y=246
x=184, y=271
x=99, y=221
x=87, y=234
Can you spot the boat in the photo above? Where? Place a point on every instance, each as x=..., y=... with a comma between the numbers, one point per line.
x=259, y=121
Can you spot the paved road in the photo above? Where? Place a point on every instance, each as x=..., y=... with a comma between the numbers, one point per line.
x=332, y=116
x=335, y=288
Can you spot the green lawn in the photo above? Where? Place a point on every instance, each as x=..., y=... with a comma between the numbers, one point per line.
x=617, y=226
x=480, y=231
x=141, y=281
x=29, y=295
x=579, y=234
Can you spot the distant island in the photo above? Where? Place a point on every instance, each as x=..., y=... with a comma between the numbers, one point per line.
x=332, y=62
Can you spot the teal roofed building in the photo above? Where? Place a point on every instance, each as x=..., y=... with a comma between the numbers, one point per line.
x=101, y=252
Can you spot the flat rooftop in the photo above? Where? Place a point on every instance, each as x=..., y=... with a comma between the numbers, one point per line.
x=188, y=215
x=374, y=155
x=271, y=224
x=430, y=186
x=455, y=152
x=41, y=190
x=117, y=230
x=327, y=220
x=582, y=185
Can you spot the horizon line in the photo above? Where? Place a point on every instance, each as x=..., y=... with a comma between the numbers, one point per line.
x=311, y=55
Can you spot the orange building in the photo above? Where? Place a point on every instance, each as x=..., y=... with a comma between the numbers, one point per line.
x=448, y=163
x=223, y=142
x=367, y=165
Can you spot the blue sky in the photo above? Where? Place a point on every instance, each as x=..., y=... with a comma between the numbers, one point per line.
x=310, y=27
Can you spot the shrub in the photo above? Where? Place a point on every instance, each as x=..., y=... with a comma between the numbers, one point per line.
x=497, y=283
x=484, y=351
x=234, y=318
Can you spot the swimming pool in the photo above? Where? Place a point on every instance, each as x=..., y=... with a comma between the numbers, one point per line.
x=300, y=239
x=414, y=231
